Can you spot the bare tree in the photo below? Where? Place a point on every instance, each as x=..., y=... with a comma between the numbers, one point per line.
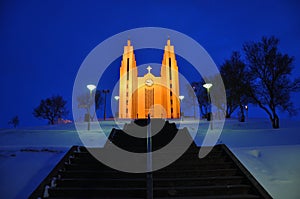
x=14, y=121
x=201, y=96
x=206, y=105
x=85, y=101
x=236, y=80
x=271, y=84
x=52, y=109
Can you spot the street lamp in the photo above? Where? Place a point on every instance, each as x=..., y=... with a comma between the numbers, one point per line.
x=194, y=101
x=246, y=107
x=91, y=87
x=181, y=97
x=105, y=92
x=117, y=109
x=208, y=86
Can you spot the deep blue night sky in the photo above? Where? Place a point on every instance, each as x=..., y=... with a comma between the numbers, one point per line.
x=43, y=43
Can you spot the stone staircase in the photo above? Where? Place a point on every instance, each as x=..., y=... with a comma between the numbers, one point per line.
x=218, y=175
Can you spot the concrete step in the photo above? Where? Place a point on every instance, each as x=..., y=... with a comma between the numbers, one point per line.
x=198, y=181
x=102, y=182
x=88, y=192
x=202, y=190
x=191, y=173
x=113, y=174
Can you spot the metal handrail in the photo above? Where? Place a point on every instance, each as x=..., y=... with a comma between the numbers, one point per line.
x=149, y=160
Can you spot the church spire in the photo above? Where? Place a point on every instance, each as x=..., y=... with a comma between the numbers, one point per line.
x=128, y=48
x=168, y=41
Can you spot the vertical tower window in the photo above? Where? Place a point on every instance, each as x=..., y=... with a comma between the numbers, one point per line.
x=170, y=69
x=127, y=68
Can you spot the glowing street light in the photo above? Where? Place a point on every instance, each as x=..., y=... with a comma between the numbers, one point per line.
x=208, y=86
x=246, y=108
x=117, y=109
x=181, y=97
x=91, y=87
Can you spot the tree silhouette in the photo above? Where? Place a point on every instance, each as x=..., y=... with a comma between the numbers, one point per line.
x=52, y=109
x=196, y=90
x=85, y=101
x=270, y=80
x=236, y=80
x=14, y=121
x=205, y=103
x=217, y=100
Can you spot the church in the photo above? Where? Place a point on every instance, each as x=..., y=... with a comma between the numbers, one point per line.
x=148, y=94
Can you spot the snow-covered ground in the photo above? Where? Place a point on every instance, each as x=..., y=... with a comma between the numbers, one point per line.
x=27, y=155
x=275, y=167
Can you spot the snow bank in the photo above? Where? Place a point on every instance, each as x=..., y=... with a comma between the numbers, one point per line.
x=275, y=167
x=23, y=169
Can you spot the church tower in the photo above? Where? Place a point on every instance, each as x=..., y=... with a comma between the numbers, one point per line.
x=128, y=84
x=169, y=75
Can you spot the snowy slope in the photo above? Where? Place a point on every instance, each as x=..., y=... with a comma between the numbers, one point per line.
x=275, y=167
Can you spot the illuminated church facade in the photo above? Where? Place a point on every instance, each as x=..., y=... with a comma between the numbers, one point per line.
x=148, y=94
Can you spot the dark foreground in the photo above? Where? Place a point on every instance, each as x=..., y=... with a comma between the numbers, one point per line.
x=218, y=175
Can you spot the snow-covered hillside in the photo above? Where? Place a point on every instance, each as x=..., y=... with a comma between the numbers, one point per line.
x=27, y=155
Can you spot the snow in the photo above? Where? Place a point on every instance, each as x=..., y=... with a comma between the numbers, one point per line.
x=22, y=170
x=275, y=167
x=27, y=155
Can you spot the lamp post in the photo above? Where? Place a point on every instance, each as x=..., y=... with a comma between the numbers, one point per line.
x=181, y=97
x=194, y=101
x=91, y=87
x=117, y=109
x=208, y=86
x=105, y=92
x=246, y=108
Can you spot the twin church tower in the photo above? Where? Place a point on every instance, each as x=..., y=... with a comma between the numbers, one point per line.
x=148, y=94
